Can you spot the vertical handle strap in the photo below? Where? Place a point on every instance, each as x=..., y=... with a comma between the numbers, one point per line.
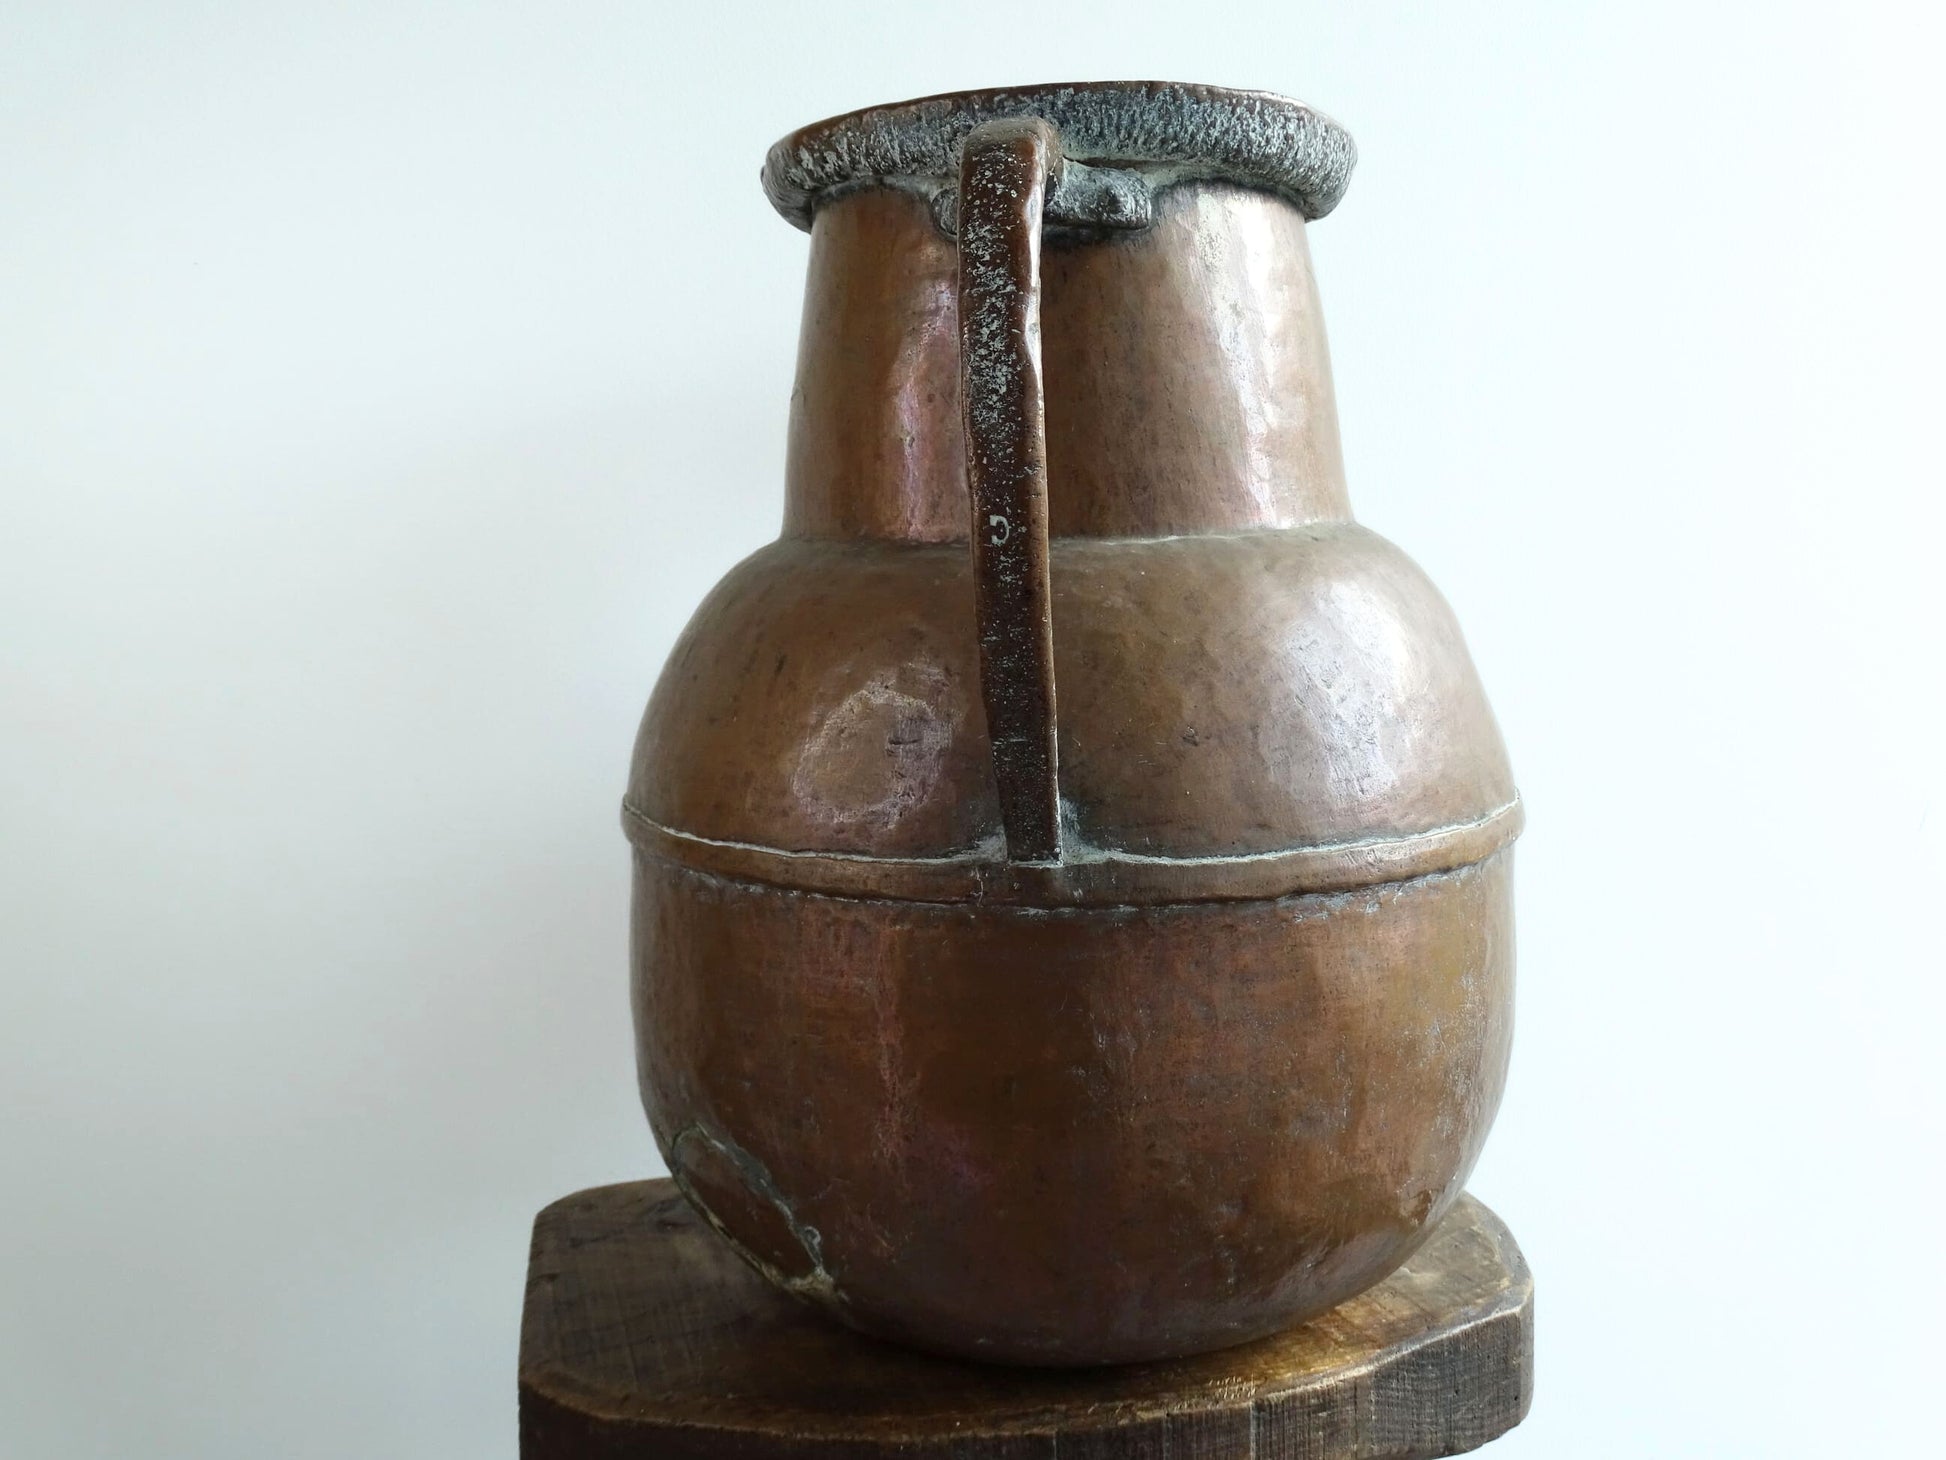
x=1004, y=171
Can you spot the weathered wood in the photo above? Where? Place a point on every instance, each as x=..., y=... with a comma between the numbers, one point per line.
x=644, y=1336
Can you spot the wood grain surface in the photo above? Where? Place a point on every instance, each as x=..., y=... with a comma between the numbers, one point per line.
x=644, y=1335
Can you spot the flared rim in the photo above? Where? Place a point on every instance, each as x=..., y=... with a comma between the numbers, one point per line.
x=1189, y=132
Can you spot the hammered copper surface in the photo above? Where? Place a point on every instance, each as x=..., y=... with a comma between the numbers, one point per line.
x=1193, y=1124
x=1218, y=1063
x=1220, y=695
x=1188, y=380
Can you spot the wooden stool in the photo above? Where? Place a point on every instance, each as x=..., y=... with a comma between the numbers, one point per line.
x=644, y=1335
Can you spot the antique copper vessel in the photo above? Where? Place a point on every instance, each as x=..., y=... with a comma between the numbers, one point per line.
x=1072, y=913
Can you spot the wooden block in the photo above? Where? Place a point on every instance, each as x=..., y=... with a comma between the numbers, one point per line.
x=644, y=1335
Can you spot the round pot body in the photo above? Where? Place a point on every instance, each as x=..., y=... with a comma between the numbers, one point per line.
x=1218, y=1049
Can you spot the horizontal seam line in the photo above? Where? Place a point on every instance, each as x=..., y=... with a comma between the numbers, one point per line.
x=980, y=858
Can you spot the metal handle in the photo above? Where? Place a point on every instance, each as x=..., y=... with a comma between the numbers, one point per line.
x=1004, y=171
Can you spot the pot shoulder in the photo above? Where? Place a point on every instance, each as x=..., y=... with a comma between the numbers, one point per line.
x=1218, y=696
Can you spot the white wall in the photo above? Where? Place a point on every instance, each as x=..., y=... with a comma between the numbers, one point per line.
x=380, y=385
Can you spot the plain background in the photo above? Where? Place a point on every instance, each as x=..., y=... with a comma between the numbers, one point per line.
x=382, y=385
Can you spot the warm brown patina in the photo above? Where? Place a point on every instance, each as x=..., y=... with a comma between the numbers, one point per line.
x=1072, y=916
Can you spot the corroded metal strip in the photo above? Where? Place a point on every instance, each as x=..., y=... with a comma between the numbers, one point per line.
x=1003, y=179
x=1089, y=876
x=1165, y=131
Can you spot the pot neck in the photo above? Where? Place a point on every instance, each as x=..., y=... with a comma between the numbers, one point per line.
x=1188, y=382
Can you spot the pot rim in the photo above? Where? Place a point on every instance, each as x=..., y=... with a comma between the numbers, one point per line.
x=1190, y=132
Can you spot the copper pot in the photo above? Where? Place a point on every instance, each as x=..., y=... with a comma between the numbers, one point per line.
x=1072, y=911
